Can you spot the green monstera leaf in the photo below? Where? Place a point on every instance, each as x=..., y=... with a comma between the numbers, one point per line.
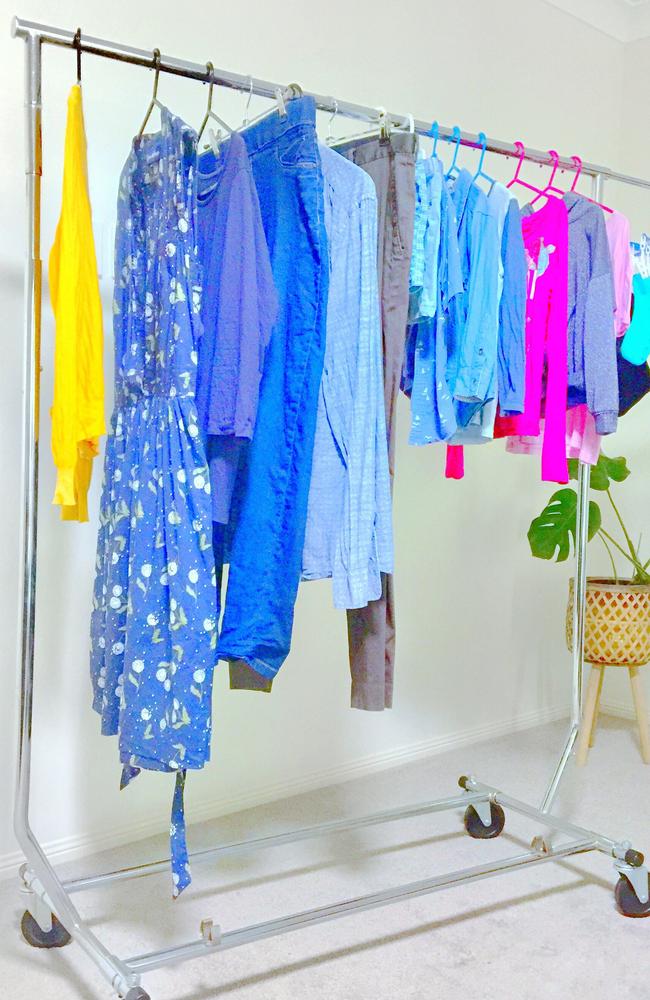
x=604, y=472
x=550, y=534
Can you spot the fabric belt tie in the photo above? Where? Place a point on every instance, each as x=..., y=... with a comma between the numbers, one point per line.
x=180, y=861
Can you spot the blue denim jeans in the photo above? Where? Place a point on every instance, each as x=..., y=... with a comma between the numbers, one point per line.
x=267, y=527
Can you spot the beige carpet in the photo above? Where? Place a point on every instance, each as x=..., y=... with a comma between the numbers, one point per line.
x=545, y=933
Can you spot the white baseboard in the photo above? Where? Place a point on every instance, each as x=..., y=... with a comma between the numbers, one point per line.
x=81, y=845
x=621, y=709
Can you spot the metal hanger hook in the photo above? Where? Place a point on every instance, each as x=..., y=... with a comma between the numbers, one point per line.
x=210, y=68
x=77, y=44
x=156, y=66
x=245, y=119
x=331, y=119
x=383, y=121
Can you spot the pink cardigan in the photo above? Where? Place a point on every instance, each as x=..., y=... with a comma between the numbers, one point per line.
x=546, y=239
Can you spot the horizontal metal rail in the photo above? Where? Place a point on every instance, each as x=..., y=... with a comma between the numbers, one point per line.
x=278, y=839
x=265, y=88
x=603, y=843
x=271, y=928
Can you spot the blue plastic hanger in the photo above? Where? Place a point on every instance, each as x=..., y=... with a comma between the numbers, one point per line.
x=482, y=138
x=455, y=137
x=434, y=132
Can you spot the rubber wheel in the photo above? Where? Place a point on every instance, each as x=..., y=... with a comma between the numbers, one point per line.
x=137, y=993
x=476, y=829
x=58, y=937
x=627, y=900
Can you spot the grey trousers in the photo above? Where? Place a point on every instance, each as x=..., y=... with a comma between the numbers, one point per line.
x=391, y=164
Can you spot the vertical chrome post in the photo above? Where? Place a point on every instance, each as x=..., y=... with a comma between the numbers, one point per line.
x=579, y=598
x=580, y=590
x=578, y=643
x=39, y=875
x=29, y=471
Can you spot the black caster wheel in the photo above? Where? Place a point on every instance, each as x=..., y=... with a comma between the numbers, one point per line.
x=628, y=901
x=58, y=937
x=137, y=993
x=476, y=829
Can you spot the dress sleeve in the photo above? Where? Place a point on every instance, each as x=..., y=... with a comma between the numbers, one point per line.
x=511, y=346
x=622, y=268
x=365, y=544
x=476, y=364
x=246, y=306
x=554, y=462
x=246, y=311
x=78, y=406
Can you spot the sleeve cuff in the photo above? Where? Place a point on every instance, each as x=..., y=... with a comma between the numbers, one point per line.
x=606, y=421
x=244, y=678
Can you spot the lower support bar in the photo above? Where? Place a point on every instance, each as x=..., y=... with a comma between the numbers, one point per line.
x=601, y=843
x=290, y=837
x=271, y=928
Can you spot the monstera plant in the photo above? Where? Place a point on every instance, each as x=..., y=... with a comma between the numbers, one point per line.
x=617, y=610
x=551, y=533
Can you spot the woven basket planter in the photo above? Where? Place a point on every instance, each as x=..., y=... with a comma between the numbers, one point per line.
x=617, y=622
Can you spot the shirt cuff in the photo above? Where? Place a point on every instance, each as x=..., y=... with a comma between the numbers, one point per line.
x=606, y=421
x=244, y=678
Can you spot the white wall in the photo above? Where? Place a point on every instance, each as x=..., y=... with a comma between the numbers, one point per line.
x=633, y=438
x=480, y=644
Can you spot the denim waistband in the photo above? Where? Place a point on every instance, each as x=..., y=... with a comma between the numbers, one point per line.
x=367, y=150
x=300, y=111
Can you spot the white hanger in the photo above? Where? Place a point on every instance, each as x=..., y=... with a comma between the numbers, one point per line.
x=330, y=138
x=246, y=119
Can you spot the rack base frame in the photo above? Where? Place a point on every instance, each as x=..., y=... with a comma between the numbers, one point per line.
x=485, y=809
x=51, y=919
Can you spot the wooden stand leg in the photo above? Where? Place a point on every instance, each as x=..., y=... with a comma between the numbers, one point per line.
x=588, y=716
x=641, y=712
x=592, y=735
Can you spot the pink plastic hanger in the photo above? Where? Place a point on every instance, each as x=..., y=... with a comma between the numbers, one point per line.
x=550, y=187
x=521, y=152
x=578, y=166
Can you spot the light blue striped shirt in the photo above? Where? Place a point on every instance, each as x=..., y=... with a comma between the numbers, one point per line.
x=349, y=520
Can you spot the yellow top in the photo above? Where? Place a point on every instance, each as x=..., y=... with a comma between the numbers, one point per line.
x=78, y=408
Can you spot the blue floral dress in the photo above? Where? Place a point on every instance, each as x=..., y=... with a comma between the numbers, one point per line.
x=153, y=627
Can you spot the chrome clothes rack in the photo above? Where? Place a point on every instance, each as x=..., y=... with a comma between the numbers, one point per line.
x=51, y=919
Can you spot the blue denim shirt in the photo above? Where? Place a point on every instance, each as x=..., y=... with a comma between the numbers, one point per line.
x=473, y=344
x=423, y=279
x=418, y=261
x=425, y=368
x=480, y=426
x=511, y=355
x=349, y=530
